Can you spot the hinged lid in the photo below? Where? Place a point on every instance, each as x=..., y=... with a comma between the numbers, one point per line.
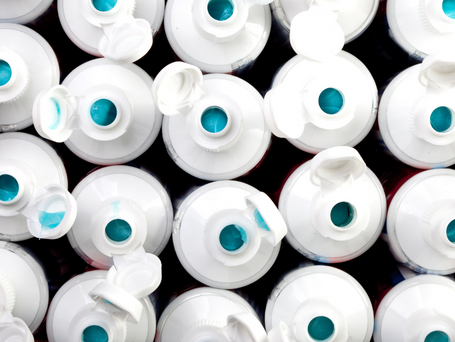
x=437, y=71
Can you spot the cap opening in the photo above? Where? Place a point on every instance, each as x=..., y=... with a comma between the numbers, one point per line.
x=104, y=5
x=437, y=336
x=342, y=214
x=5, y=72
x=331, y=101
x=441, y=119
x=321, y=328
x=103, y=112
x=220, y=9
x=118, y=230
x=451, y=231
x=9, y=188
x=232, y=237
x=448, y=6
x=94, y=333
x=53, y=213
x=214, y=119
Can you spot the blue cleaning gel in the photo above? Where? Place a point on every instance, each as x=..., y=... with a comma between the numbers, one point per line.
x=232, y=237
x=50, y=220
x=9, y=188
x=220, y=9
x=118, y=230
x=342, y=214
x=94, y=333
x=103, y=112
x=260, y=220
x=56, y=115
x=104, y=5
x=441, y=119
x=451, y=231
x=331, y=101
x=214, y=119
x=5, y=72
x=321, y=328
x=437, y=336
x=448, y=6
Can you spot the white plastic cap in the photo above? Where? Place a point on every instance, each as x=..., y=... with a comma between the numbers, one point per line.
x=433, y=13
x=16, y=81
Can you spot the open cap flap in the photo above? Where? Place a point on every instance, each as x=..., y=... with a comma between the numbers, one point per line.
x=437, y=71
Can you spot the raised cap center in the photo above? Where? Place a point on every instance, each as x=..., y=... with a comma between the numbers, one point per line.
x=321, y=328
x=9, y=188
x=441, y=119
x=232, y=237
x=5, y=72
x=437, y=336
x=214, y=119
x=104, y=5
x=103, y=112
x=342, y=214
x=94, y=333
x=331, y=101
x=118, y=230
x=448, y=6
x=220, y=9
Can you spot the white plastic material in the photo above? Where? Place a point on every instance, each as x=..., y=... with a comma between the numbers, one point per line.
x=208, y=213
x=313, y=292
x=33, y=67
x=112, y=31
x=129, y=132
x=23, y=12
x=407, y=109
x=293, y=108
x=424, y=30
x=334, y=206
x=227, y=153
x=207, y=314
x=418, y=222
x=416, y=308
x=213, y=44
x=73, y=302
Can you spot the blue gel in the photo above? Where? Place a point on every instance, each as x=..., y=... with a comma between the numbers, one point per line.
x=56, y=115
x=50, y=220
x=342, y=214
x=321, y=328
x=232, y=237
x=448, y=6
x=94, y=333
x=118, y=230
x=9, y=188
x=331, y=101
x=441, y=119
x=104, y=5
x=451, y=231
x=220, y=9
x=260, y=220
x=214, y=119
x=437, y=336
x=5, y=72
x=103, y=112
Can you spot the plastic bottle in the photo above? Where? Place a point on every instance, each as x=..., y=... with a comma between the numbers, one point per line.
x=319, y=303
x=119, y=207
x=222, y=36
x=34, y=200
x=334, y=206
x=28, y=65
x=418, y=309
x=227, y=234
x=416, y=117
x=220, y=132
x=23, y=12
x=107, y=27
x=104, y=112
x=421, y=28
x=207, y=314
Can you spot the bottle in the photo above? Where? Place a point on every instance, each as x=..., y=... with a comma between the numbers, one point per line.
x=334, y=206
x=218, y=36
x=220, y=132
x=119, y=209
x=207, y=314
x=319, y=303
x=416, y=117
x=34, y=200
x=107, y=28
x=419, y=309
x=227, y=234
x=28, y=65
x=421, y=29
x=103, y=111
x=23, y=12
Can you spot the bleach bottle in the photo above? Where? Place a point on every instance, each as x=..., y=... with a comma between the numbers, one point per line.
x=207, y=314
x=421, y=28
x=23, y=12
x=218, y=36
x=319, y=303
x=104, y=112
x=120, y=30
x=416, y=113
x=214, y=126
x=119, y=209
x=421, y=223
x=227, y=234
x=24, y=294
x=334, y=206
x=28, y=65
x=34, y=200
x=417, y=309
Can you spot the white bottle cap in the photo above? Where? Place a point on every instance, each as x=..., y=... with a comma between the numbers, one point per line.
x=15, y=75
x=23, y=12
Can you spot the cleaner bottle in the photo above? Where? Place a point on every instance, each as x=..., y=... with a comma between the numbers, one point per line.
x=23, y=12
x=334, y=206
x=28, y=65
x=104, y=112
x=119, y=209
x=214, y=126
x=227, y=234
